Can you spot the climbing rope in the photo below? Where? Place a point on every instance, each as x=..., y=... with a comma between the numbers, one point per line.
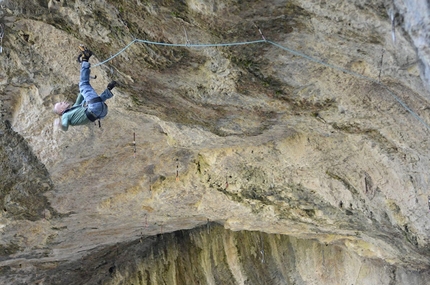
x=264, y=40
x=189, y=45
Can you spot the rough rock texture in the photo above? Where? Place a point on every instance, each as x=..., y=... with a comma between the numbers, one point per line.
x=212, y=255
x=311, y=147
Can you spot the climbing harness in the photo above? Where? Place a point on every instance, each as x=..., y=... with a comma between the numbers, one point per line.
x=90, y=115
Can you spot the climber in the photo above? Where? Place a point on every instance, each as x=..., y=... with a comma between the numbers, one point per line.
x=88, y=107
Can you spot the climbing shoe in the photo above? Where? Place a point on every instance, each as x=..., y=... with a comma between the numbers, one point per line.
x=112, y=84
x=85, y=54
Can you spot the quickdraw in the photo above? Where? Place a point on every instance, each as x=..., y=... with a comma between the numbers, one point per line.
x=1, y=37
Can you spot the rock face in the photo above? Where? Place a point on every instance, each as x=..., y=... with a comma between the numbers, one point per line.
x=213, y=255
x=297, y=155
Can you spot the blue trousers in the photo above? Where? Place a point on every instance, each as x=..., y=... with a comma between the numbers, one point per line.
x=99, y=109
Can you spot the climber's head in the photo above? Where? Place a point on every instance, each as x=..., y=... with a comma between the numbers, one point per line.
x=60, y=107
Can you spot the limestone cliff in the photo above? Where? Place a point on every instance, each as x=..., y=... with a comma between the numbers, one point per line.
x=296, y=155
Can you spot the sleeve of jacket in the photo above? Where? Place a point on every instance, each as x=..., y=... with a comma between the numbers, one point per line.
x=79, y=100
x=65, y=122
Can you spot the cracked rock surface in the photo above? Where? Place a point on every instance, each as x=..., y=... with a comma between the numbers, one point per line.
x=301, y=159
